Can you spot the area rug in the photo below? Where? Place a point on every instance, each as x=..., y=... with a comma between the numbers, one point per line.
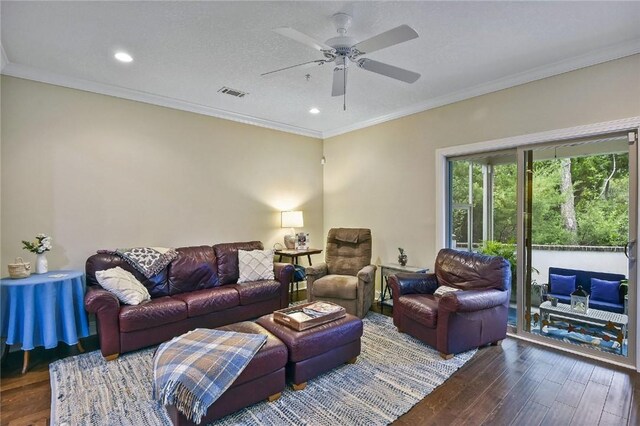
x=393, y=373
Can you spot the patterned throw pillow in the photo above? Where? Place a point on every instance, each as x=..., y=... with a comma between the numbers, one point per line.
x=255, y=265
x=123, y=285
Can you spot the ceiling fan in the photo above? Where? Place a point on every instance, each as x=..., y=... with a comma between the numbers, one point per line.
x=344, y=49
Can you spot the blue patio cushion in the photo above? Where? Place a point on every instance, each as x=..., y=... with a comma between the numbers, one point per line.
x=562, y=298
x=562, y=284
x=583, y=278
x=605, y=291
x=606, y=306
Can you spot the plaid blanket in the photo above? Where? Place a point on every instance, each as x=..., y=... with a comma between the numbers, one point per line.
x=147, y=260
x=192, y=371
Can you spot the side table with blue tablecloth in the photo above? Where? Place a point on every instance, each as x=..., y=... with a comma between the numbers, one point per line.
x=43, y=310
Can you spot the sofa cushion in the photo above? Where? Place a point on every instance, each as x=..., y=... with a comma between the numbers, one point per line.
x=227, y=259
x=257, y=291
x=336, y=286
x=163, y=310
x=195, y=268
x=422, y=308
x=255, y=265
x=123, y=285
x=562, y=298
x=202, y=302
x=472, y=271
x=562, y=284
x=348, y=250
x=606, y=306
x=605, y=291
x=104, y=259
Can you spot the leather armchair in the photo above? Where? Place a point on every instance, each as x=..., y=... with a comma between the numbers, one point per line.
x=346, y=278
x=461, y=320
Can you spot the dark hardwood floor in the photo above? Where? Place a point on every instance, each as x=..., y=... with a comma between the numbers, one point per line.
x=517, y=383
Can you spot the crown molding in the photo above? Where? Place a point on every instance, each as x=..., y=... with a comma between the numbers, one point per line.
x=607, y=54
x=43, y=76
x=4, y=61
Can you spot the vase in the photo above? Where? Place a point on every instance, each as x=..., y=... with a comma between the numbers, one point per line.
x=42, y=266
x=402, y=259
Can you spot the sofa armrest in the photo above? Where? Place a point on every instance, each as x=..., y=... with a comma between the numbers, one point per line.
x=473, y=300
x=106, y=307
x=410, y=283
x=367, y=274
x=283, y=272
x=98, y=300
x=313, y=273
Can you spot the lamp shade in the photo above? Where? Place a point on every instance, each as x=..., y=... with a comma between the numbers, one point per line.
x=292, y=219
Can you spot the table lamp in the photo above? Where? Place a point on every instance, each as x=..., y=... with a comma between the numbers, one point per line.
x=291, y=219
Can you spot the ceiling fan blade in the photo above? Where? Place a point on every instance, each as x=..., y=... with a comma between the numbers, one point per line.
x=339, y=81
x=303, y=65
x=388, y=70
x=303, y=38
x=388, y=38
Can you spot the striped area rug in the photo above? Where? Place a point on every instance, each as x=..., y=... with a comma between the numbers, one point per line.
x=393, y=373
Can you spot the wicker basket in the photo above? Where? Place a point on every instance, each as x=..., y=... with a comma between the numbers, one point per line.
x=19, y=269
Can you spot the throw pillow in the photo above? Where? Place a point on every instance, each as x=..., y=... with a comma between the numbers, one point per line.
x=605, y=291
x=123, y=285
x=255, y=265
x=562, y=284
x=443, y=289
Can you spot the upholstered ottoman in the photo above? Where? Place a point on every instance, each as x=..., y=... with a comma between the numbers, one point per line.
x=263, y=378
x=318, y=349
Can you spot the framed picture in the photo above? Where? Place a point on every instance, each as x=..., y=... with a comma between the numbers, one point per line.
x=302, y=241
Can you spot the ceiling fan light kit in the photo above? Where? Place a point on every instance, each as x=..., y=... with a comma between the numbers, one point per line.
x=343, y=49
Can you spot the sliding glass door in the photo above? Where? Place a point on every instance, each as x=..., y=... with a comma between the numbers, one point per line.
x=577, y=244
x=564, y=214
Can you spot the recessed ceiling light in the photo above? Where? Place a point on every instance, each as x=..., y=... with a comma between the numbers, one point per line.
x=123, y=57
x=314, y=111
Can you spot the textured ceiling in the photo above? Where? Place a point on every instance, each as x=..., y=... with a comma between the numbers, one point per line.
x=185, y=51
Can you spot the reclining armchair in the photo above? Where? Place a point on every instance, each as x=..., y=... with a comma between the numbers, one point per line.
x=457, y=321
x=346, y=278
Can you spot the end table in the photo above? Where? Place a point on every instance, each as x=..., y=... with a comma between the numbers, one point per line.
x=390, y=269
x=42, y=310
x=294, y=255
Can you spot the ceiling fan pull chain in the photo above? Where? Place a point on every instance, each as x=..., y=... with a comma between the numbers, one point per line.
x=344, y=82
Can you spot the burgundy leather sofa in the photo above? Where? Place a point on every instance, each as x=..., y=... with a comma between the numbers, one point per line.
x=198, y=289
x=461, y=320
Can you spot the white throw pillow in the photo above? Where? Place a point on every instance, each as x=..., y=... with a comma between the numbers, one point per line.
x=443, y=289
x=255, y=265
x=124, y=285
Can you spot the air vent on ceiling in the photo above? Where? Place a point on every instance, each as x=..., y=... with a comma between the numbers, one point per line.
x=233, y=92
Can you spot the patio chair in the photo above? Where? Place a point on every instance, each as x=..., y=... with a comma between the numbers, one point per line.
x=608, y=296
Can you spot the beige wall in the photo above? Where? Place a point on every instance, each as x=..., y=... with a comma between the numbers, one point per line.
x=382, y=177
x=98, y=172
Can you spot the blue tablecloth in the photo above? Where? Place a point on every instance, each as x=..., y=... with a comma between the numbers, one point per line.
x=42, y=310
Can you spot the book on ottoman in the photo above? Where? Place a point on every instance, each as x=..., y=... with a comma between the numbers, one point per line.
x=309, y=315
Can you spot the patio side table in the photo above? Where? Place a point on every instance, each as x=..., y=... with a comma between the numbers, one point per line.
x=43, y=310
